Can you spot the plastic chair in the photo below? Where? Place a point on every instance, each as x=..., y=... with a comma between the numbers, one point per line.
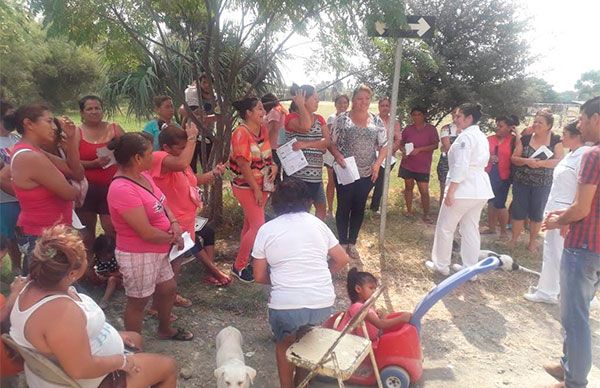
x=40, y=365
x=333, y=353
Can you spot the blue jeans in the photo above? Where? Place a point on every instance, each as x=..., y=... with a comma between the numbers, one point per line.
x=579, y=280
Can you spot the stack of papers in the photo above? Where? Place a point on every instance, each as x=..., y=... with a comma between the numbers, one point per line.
x=347, y=175
x=104, y=151
x=542, y=153
x=408, y=148
x=188, y=243
x=292, y=161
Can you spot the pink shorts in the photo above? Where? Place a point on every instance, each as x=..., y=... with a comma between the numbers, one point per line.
x=143, y=271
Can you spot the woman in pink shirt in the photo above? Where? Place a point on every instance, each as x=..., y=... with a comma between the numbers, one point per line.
x=145, y=229
x=172, y=173
x=45, y=195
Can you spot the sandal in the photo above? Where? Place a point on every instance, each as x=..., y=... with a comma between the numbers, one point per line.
x=154, y=314
x=216, y=282
x=180, y=335
x=180, y=301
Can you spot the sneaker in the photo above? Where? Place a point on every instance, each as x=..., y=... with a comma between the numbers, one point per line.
x=536, y=297
x=245, y=274
x=431, y=266
x=353, y=252
x=555, y=370
x=457, y=267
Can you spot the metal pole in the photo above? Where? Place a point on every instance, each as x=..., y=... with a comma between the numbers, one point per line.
x=390, y=145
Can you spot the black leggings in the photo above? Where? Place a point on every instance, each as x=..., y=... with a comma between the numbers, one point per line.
x=378, y=190
x=351, y=202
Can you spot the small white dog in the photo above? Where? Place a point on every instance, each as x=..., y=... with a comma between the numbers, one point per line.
x=232, y=371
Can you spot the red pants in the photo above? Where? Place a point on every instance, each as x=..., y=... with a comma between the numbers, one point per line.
x=254, y=218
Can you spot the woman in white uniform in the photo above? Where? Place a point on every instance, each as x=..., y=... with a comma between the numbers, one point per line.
x=467, y=191
x=50, y=317
x=562, y=195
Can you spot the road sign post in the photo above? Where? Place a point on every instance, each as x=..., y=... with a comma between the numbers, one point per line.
x=420, y=27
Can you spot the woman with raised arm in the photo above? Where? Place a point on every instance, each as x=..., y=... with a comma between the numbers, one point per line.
x=52, y=318
x=310, y=131
x=44, y=194
x=172, y=174
x=533, y=176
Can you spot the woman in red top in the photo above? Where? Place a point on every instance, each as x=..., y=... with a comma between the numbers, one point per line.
x=251, y=161
x=45, y=195
x=502, y=144
x=95, y=134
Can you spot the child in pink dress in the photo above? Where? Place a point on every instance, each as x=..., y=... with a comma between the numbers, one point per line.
x=361, y=285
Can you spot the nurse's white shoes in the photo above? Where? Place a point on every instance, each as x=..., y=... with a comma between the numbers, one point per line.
x=536, y=297
x=432, y=267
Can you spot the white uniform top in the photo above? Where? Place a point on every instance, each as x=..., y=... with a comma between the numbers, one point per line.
x=467, y=158
x=564, y=180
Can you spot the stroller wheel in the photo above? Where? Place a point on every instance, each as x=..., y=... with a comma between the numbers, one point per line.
x=395, y=377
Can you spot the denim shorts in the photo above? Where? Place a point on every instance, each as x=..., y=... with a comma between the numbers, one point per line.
x=10, y=213
x=500, y=187
x=316, y=192
x=288, y=322
x=529, y=201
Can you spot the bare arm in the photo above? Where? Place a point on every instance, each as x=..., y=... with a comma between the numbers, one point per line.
x=445, y=143
x=516, y=157
x=556, y=158
x=37, y=168
x=6, y=180
x=62, y=324
x=260, y=271
x=322, y=144
x=338, y=258
x=305, y=120
x=137, y=219
x=382, y=323
x=181, y=162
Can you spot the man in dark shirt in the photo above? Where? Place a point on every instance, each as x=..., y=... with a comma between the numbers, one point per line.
x=580, y=262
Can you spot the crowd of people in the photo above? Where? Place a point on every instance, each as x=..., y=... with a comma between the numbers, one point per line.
x=143, y=187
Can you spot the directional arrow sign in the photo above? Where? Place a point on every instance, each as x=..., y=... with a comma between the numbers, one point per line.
x=420, y=27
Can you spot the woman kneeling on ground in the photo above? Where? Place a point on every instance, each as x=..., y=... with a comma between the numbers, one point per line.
x=145, y=229
x=297, y=254
x=50, y=317
x=172, y=174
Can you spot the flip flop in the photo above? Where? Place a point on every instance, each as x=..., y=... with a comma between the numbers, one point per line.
x=154, y=314
x=180, y=301
x=180, y=335
x=216, y=282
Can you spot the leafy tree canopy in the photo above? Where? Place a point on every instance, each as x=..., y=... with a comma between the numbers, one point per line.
x=588, y=85
x=38, y=68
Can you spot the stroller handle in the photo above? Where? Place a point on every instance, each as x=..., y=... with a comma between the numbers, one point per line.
x=449, y=284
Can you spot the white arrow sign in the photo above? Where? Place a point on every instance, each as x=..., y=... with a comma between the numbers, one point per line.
x=421, y=27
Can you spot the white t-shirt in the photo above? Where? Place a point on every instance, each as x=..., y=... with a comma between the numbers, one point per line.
x=295, y=246
x=6, y=145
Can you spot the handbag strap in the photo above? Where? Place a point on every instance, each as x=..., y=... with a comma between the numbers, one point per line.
x=136, y=183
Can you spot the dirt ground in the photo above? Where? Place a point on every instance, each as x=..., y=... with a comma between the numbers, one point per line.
x=484, y=334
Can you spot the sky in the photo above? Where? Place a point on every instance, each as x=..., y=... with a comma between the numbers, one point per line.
x=564, y=38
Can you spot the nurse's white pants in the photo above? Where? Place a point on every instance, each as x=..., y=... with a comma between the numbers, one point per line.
x=466, y=213
x=548, y=285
